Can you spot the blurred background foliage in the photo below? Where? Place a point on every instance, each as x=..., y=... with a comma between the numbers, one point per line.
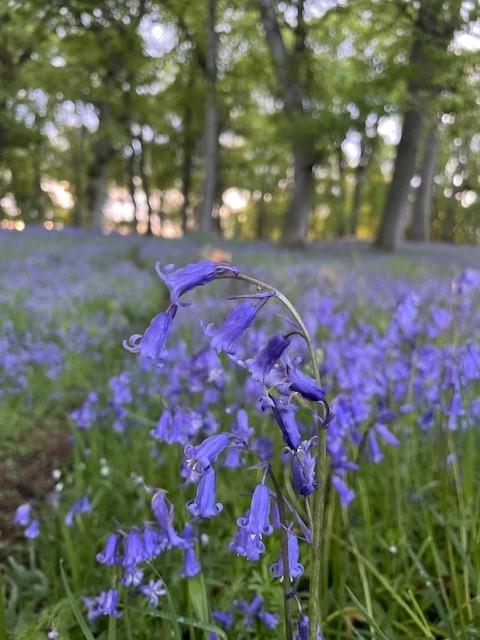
x=294, y=120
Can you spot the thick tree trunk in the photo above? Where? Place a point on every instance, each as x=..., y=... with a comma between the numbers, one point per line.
x=206, y=222
x=420, y=231
x=287, y=63
x=396, y=208
x=98, y=172
x=295, y=227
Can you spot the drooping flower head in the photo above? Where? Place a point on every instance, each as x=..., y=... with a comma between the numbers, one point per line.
x=261, y=365
x=258, y=520
x=294, y=567
x=153, y=590
x=303, y=469
x=33, y=530
x=133, y=549
x=304, y=385
x=191, y=566
x=236, y=323
x=23, y=515
x=150, y=345
x=80, y=506
x=163, y=511
x=104, y=604
x=205, y=504
x=284, y=415
x=196, y=274
x=110, y=552
x=204, y=455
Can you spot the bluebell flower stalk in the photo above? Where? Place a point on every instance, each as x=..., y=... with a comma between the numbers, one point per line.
x=309, y=472
x=321, y=468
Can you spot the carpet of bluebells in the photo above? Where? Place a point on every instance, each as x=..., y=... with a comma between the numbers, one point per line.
x=181, y=394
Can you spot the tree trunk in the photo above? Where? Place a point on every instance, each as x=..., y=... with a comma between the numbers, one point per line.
x=367, y=146
x=342, y=223
x=296, y=222
x=396, y=208
x=146, y=185
x=261, y=218
x=287, y=63
x=187, y=169
x=98, y=172
x=206, y=222
x=132, y=190
x=423, y=204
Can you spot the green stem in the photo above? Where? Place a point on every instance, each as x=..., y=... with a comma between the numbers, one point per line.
x=314, y=611
x=284, y=548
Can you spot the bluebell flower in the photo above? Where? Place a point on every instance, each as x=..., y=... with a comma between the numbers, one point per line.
x=455, y=410
x=132, y=577
x=110, y=553
x=258, y=520
x=303, y=469
x=247, y=545
x=150, y=345
x=204, y=455
x=196, y=274
x=23, y=515
x=466, y=281
x=104, y=604
x=236, y=323
x=179, y=426
x=242, y=432
x=120, y=386
x=164, y=429
x=263, y=362
x=205, y=505
x=375, y=451
x=133, y=549
x=303, y=626
x=254, y=610
x=225, y=618
x=250, y=609
x=284, y=415
x=153, y=542
x=87, y=413
x=386, y=435
x=191, y=566
x=270, y=620
x=81, y=506
x=264, y=448
x=295, y=568
x=163, y=511
x=346, y=494
x=153, y=590
x=304, y=385
x=33, y=530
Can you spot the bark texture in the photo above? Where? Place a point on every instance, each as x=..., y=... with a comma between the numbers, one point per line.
x=420, y=231
x=397, y=204
x=287, y=65
x=432, y=35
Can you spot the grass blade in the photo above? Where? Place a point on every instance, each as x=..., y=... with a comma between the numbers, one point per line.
x=87, y=634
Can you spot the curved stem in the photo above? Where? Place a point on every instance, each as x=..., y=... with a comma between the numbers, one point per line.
x=314, y=611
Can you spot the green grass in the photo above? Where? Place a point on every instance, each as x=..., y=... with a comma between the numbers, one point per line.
x=402, y=563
